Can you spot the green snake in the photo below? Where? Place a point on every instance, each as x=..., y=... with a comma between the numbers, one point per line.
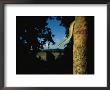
x=69, y=35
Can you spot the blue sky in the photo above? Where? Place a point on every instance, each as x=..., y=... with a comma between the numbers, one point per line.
x=58, y=31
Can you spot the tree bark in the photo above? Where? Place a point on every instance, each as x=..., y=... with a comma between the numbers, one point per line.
x=80, y=45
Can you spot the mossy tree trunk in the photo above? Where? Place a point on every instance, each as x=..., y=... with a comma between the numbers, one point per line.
x=80, y=34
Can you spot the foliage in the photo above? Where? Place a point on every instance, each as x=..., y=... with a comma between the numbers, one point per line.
x=65, y=21
x=33, y=33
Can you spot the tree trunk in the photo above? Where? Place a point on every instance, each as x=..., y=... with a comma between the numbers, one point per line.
x=80, y=45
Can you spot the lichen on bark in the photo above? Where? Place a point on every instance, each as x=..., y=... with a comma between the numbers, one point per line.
x=80, y=34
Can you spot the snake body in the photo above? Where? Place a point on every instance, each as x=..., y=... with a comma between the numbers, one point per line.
x=69, y=35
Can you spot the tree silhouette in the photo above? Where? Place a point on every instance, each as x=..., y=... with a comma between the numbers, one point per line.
x=31, y=36
x=33, y=32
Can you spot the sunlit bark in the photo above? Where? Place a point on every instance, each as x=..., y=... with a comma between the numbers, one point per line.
x=80, y=45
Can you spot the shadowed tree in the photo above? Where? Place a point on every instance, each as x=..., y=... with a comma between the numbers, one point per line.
x=68, y=53
x=31, y=36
